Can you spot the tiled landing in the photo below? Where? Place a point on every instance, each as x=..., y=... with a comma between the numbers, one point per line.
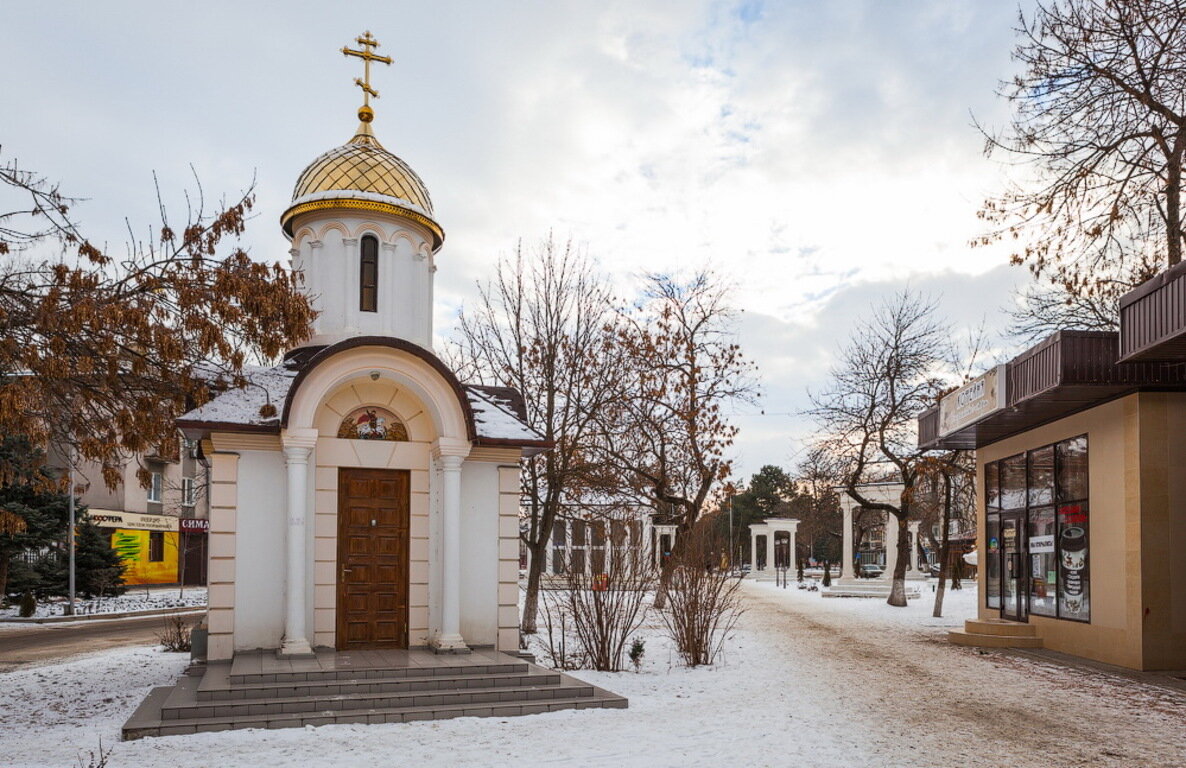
x=259, y=690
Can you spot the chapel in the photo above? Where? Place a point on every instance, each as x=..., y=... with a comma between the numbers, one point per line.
x=362, y=497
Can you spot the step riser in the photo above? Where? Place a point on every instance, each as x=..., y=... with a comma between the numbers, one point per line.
x=501, y=710
x=454, y=698
x=997, y=628
x=360, y=674
x=993, y=641
x=355, y=686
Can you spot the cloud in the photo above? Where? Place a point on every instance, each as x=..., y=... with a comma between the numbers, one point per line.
x=818, y=154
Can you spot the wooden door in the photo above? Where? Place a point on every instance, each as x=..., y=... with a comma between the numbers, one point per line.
x=373, y=510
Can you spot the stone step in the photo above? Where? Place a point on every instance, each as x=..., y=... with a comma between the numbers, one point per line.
x=387, y=673
x=960, y=637
x=1001, y=627
x=183, y=705
x=146, y=721
x=216, y=684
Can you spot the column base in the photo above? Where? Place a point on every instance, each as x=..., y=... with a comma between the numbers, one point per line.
x=295, y=649
x=449, y=644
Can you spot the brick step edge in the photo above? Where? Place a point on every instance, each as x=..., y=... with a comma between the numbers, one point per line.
x=959, y=637
x=301, y=688
x=415, y=699
x=134, y=729
x=392, y=673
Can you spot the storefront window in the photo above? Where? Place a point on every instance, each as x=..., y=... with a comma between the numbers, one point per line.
x=1074, y=600
x=1013, y=482
x=1043, y=562
x=992, y=563
x=1049, y=485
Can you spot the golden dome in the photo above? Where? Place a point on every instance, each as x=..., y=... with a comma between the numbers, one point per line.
x=362, y=165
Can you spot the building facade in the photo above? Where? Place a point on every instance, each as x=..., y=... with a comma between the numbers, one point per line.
x=1081, y=503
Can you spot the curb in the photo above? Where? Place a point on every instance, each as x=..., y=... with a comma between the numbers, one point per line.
x=181, y=611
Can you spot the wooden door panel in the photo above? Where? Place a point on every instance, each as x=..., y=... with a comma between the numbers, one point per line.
x=373, y=536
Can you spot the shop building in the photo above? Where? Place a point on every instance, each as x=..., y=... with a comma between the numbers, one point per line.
x=158, y=530
x=1081, y=512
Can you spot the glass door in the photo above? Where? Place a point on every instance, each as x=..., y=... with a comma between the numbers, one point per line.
x=1013, y=581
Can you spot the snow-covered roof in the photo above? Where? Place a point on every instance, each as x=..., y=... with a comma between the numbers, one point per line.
x=498, y=414
x=246, y=405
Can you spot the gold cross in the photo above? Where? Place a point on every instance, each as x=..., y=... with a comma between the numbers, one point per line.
x=367, y=55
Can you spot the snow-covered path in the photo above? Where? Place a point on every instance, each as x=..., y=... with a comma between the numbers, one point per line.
x=910, y=698
x=805, y=681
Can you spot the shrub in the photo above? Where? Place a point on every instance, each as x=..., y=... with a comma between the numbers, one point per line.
x=638, y=649
x=176, y=635
x=28, y=604
x=702, y=604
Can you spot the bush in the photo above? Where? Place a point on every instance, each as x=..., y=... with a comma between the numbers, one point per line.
x=638, y=649
x=28, y=605
x=176, y=635
x=702, y=603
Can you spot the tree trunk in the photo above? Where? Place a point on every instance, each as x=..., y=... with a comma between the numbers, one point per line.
x=945, y=548
x=5, y=556
x=535, y=568
x=897, y=596
x=1173, y=210
x=827, y=573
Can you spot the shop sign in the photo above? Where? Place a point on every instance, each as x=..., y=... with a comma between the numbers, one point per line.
x=131, y=521
x=980, y=397
x=194, y=525
x=1041, y=544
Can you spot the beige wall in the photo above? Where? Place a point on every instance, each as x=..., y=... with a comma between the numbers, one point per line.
x=1134, y=446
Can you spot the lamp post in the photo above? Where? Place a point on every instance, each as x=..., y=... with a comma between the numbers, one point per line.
x=70, y=605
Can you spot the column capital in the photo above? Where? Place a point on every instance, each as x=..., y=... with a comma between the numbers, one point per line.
x=349, y=241
x=294, y=252
x=315, y=243
x=297, y=443
x=450, y=447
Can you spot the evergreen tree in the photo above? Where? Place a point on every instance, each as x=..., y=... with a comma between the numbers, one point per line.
x=98, y=569
x=32, y=514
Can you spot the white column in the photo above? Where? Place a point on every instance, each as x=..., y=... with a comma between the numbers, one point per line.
x=846, y=571
x=389, y=312
x=298, y=444
x=753, y=551
x=891, y=544
x=450, y=639
x=351, y=274
x=912, y=571
x=792, y=529
x=770, y=549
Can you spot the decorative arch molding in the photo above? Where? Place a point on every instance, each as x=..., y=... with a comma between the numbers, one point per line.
x=302, y=234
x=332, y=225
x=420, y=371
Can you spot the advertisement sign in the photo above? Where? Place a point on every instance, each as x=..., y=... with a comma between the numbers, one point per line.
x=132, y=521
x=973, y=401
x=194, y=525
x=1041, y=544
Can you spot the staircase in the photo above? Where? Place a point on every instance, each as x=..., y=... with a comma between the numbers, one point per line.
x=996, y=633
x=259, y=691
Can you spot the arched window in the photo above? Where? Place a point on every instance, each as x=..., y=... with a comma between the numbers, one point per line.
x=369, y=275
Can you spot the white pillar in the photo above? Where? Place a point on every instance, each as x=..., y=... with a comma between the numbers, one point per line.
x=298, y=444
x=351, y=273
x=793, y=529
x=891, y=544
x=450, y=639
x=912, y=571
x=770, y=549
x=753, y=551
x=846, y=570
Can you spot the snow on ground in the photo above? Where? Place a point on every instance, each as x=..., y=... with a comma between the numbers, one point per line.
x=135, y=599
x=805, y=680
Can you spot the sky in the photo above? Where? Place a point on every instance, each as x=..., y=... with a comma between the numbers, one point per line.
x=820, y=156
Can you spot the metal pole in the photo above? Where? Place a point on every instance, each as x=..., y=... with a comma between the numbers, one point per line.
x=731, y=565
x=70, y=608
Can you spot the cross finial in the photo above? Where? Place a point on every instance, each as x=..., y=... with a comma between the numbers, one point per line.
x=367, y=54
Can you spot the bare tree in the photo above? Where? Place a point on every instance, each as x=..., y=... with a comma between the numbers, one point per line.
x=666, y=435
x=542, y=327
x=817, y=506
x=886, y=377
x=946, y=496
x=1100, y=126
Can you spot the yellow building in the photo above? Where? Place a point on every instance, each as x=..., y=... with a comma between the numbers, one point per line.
x=147, y=544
